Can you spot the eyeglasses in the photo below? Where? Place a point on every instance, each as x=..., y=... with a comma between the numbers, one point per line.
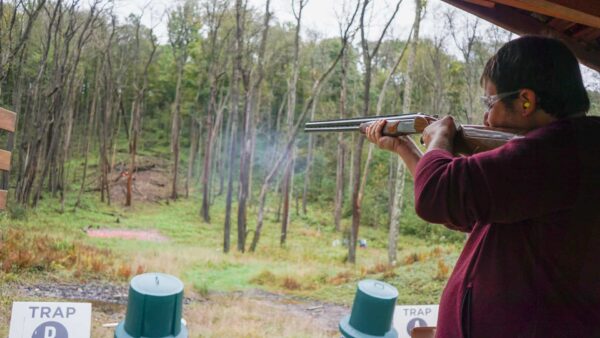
x=490, y=101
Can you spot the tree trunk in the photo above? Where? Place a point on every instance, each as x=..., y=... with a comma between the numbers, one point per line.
x=246, y=154
x=235, y=83
x=33, y=140
x=136, y=113
x=292, y=137
x=194, y=136
x=254, y=130
x=211, y=129
x=411, y=58
x=339, y=183
x=90, y=126
x=291, y=106
x=380, y=103
x=106, y=121
x=400, y=173
x=175, y=128
x=356, y=200
x=224, y=143
x=396, y=212
x=392, y=160
x=214, y=16
x=357, y=193
x=309, y=159
x=339, y=171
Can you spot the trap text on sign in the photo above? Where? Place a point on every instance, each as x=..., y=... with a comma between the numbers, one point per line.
x=407, y=317
x=50, y=320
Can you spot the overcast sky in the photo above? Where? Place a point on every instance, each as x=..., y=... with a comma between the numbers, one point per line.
x=321, y=16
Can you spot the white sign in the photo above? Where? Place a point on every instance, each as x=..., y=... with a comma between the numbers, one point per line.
x=50, y=320
x=407, y=317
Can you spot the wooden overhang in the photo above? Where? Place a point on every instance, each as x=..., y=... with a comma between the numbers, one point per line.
x=576, y=22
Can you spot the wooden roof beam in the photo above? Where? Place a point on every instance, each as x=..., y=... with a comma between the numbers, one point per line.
x=521, y=24
x=569, y=12
x=484, y=3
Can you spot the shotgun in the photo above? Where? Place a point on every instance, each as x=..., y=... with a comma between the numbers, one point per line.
x=470, y=139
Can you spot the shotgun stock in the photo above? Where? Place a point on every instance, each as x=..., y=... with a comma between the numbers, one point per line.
x=470, y=139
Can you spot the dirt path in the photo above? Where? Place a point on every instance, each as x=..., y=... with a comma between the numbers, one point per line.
x=202, y=313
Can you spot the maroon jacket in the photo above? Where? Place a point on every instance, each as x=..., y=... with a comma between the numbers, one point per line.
x=531, y=265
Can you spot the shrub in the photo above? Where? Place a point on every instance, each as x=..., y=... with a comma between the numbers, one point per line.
x=442, y=271
x=202, y=289
x=265, y=277
x=290, y=283
x=411, y=258
x=341, y=278
x=379, y=268
x=17, y=212
x=22, y=252
x=124, y=271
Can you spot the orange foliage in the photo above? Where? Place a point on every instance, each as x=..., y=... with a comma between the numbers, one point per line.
x=21, y=252
x=442, y=270
x=291, y=284
x=341, y=278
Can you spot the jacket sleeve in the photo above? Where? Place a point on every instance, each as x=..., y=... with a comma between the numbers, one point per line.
x=525, y=178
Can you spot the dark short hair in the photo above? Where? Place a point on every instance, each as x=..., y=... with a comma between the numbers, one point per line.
x=546, y=66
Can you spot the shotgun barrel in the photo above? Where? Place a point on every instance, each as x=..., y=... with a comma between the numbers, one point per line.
x=470, y=138
x=356, y=121
x=397, y=125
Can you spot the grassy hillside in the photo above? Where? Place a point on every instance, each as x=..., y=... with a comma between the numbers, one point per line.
x=45, y=245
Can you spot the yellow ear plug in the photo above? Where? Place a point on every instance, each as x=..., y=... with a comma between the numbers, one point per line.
x=526, y=105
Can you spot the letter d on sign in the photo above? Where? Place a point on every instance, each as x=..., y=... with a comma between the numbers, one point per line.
x=49, y=332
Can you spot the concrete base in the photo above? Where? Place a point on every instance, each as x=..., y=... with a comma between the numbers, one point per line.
x=121, y=333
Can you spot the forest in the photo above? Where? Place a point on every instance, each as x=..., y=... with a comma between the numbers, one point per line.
x=110, y=116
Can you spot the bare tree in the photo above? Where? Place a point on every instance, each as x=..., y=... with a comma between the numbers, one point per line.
x=294, y=132
x=32, y=141
x=51, y=101
x=105, y=120
x=136, y=108
x=379, y=108
x=240, y=17
x=74, y=84
x=309, y=158
x=368, y=56
x=341, y=148
x=466, y=44
x=291, y=106
x=398, y=197
x=194, y=148
x=215, y=12
x=436, y=56
x=182, y=30
x=255, y=80
x=13, y=38
x=90, y=126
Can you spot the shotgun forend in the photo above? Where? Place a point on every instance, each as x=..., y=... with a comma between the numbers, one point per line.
x=469, y=140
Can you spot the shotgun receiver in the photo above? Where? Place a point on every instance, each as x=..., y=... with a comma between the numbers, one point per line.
x=470, y=139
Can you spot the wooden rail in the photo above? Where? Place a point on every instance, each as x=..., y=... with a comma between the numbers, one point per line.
x=8, y=122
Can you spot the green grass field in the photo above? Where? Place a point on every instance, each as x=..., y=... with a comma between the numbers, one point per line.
x=308, y=266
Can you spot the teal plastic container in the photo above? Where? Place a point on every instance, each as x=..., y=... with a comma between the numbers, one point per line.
x=372, y=311
x=154, y=308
